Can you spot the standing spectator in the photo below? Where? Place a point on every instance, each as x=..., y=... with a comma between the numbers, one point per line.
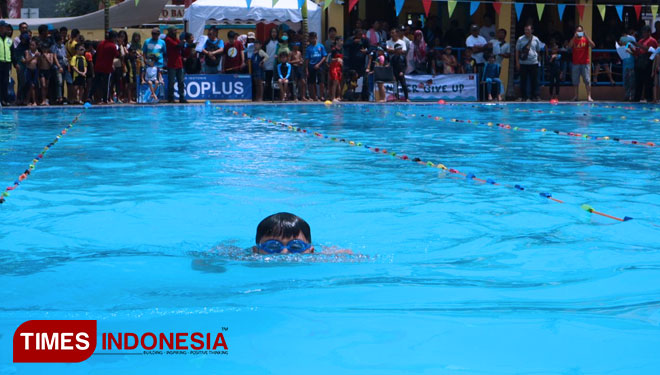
x=132, y=73
x=449, y=61
x=315, y=56
x=581, y=44
x=47, y=65
x=136, y=42
x=501, y=49
x=191, y=63
x=156, y=47
x=488, y=29
x=380, y=61
x=234, y=59
x=628, y=73
x=373, y=34
x=554, y=68
x=105, y=54
x=79, y=68
x=478, y=44
x=90, y=52
x=258, y=59
x=59, y=50
x=64, y=33
x=384, y=29
x=271, y=50
x=335, y=69
x=357, y=50
x=469, y=64
x=432, y=31
x=42, y=35
x=527, y=62
x=398, y=62
x=22, y=29
x=419, y=49
x=394, y=41
x=31, y=72
x=71, y=50
x=174, y=48
x=6, y=46
x=297, y=62
x=643, y=68
x=330, y=42
x=212, y=51
x=19, y=63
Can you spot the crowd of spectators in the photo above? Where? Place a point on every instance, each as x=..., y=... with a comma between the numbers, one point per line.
x=60, y=67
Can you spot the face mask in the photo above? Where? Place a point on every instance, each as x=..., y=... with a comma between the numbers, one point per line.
x=580, y=34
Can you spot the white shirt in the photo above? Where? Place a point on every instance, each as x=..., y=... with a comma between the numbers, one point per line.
x=471, y=41
x=271, y=48
x=499, y=49
x=487, y=32
x=392, y=44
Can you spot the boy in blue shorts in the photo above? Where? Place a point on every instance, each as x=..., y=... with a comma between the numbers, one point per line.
x=315, y=57
x=283, y=233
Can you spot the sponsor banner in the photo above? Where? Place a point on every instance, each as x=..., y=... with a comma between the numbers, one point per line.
x=204, y=87
x=71, y=341
x=453, y=87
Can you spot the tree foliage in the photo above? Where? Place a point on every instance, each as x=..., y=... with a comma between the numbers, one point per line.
x=72, y=8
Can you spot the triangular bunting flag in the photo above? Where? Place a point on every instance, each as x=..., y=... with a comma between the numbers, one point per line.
x=275, y=2
x=619, y=11
x=474, y=5
x=427, y=7
x=137, y=2
x=654, y=11
x=539, y=10
x=326, y=4
x=519, y=8
x=398, y=4
x=638, y=10
x=300, y=3
x=497, y=6
x=561, y=8
x=601, y=10
x=580, y=9
x=248, y=3
x=351, y=5
x=451, y=5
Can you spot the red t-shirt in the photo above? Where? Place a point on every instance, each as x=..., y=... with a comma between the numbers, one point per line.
x=648, y=42
x=174, y=60
x=105, y=53
x=581, y=51
x=233, y=56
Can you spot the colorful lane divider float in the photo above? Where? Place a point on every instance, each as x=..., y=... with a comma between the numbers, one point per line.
x=431, y=164
x=523, y=129
x=5, y=194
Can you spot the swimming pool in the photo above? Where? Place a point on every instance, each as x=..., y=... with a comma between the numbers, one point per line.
x=137, y=216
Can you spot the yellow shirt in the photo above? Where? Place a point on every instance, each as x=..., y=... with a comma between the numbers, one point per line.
x=80, y=65
x=71, y=48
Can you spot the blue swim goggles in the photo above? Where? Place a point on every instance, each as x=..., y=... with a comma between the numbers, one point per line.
x=275, y=246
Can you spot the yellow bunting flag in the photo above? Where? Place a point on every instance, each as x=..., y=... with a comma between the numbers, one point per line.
x=451, y=5
x=137, y=2
x=601, y=10
x=539, y=9
x=654, y=11
x=326, y=4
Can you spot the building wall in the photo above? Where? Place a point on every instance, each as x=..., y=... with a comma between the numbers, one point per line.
x=46, y=7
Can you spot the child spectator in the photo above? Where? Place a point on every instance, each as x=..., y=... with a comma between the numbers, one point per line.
x=296, y=60
x=381, y=62
x=131, y=73
x=47, y=64
x=351, y=87
x=492, y=77
x=89, y=56
x=79, y=68
x=437, y=63
x=284, y=71
x=398, y=62
x=31, y=73
x=283, y=45
x=153, y=77
x=258, y=60
x=191, y=63
x=234, y=58
x=554, y=67
x=469, y=65
x=59, y=50
x=116, y=77
x=450, y=64
x=335, y=71
x=315, y=55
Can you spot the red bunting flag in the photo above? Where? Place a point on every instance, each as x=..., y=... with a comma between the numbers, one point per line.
x=427, y=6
x=638, y=10
x=580, y=8
x=351, y=5
x=497, y=6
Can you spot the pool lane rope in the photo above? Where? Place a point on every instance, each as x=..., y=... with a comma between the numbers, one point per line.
x=385, y=152
x=5, y=194
x=505, y=126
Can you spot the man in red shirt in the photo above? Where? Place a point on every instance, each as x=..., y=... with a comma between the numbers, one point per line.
x=234, y=56
x=581, y=45
x=174, y=48
x=644, y=66
x=105, y=53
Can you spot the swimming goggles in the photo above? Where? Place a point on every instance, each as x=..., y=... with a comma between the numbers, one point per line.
x=275, y=246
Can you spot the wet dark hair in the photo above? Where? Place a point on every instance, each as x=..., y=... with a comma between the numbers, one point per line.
x=312, y=34
x=283, y=225
x=42, y=29
x=75, y=33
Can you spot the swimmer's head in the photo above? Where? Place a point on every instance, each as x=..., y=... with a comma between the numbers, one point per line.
x=289, y=229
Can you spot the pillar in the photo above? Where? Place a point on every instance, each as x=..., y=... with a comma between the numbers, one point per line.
x=335, y=18
x=503, y=21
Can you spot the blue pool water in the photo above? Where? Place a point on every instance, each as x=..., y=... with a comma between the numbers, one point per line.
x=137, y=218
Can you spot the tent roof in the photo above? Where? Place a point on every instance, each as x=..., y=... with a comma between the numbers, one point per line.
x=121, y=15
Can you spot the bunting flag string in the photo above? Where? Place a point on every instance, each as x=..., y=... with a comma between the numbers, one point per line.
x=451, y=5
x=561, y=8
x=602, y=9
x=399, y=5
x=474, y=5
x=497, y=6
x=427, y=7
x=539, y=10
x=580, y=9
x=519, y=9
x=470, y=177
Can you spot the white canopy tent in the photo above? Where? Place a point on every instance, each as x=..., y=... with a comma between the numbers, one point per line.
x=202, y=11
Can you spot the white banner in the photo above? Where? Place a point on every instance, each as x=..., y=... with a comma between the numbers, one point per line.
x=454, y=87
